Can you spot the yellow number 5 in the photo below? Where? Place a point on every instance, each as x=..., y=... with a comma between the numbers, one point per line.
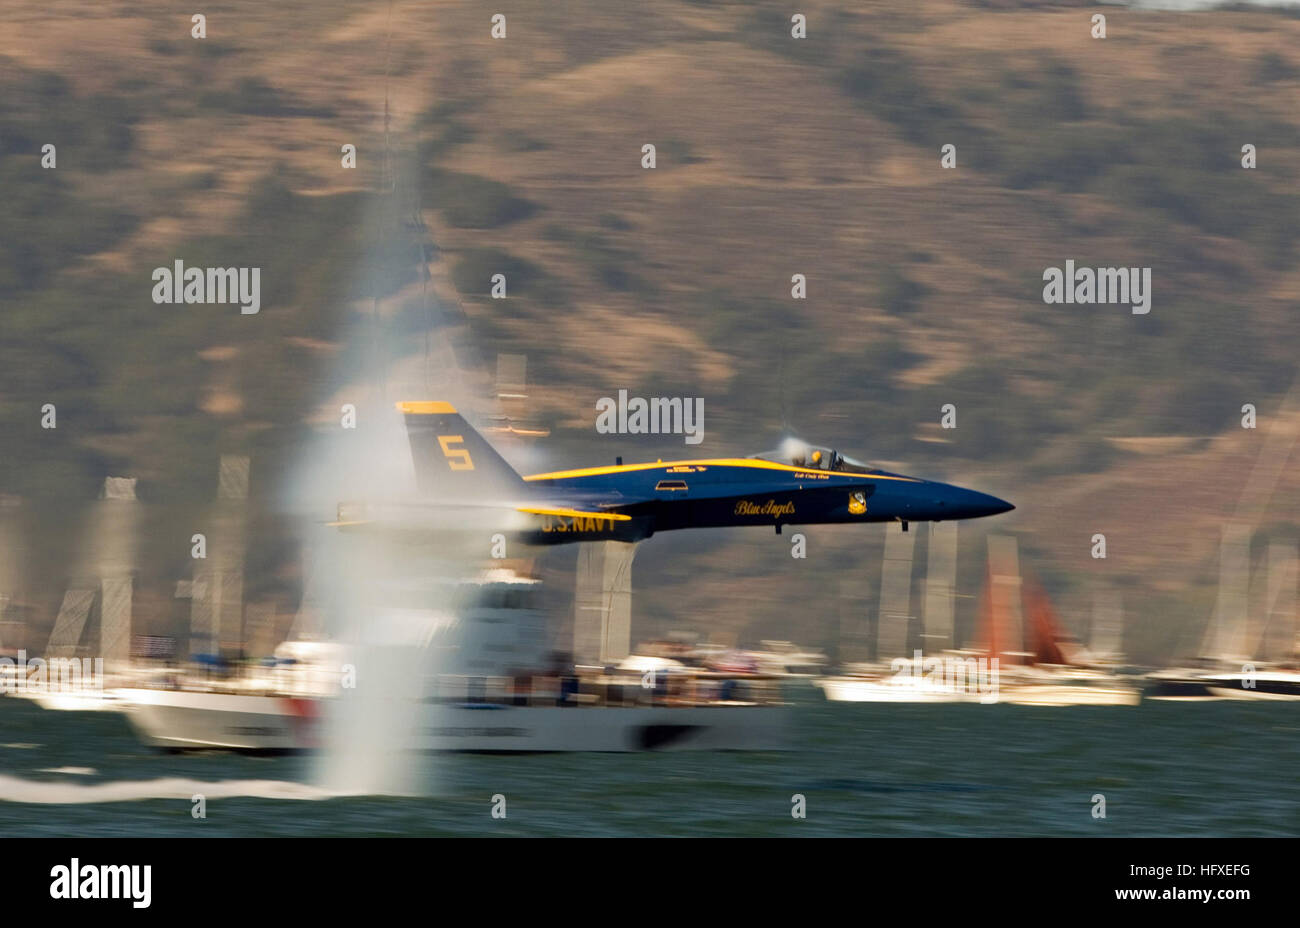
x=457, y=458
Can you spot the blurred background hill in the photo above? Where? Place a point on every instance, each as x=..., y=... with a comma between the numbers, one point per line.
x=775, y=157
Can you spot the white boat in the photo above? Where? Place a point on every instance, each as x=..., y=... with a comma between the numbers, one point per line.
x=180, y=720
x=1067, y=686
x=52, y=689
x=492, y=702
x=1265, y=684
x=1250, y=646
x=1036, y=663
x=1189, y=685
x=903, y=688
x=107, y=701
x=1017, y=686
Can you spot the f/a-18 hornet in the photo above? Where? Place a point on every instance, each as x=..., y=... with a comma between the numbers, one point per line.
x=799, y=485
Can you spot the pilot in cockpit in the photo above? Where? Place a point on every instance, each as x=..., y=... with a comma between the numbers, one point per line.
x=805, y=457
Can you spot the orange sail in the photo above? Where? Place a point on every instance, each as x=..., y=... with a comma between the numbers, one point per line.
x=1044, y=641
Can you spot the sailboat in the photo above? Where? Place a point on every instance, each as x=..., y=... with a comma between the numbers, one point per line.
x=897, y=678
x=100, y=595
x=1022, y=655
x=1245, y=654
x=1053, y=669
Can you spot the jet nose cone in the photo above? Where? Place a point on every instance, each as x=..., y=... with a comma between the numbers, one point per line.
x=960, y=503
x=983, y=504
x=993, y=505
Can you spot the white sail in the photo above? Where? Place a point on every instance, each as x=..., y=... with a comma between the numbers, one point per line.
x=940, y=585
x=66, y=634
x=854, y=614
x=1278, y=640
x=1004, y=576
x=115, y=621
x=11, y=558
x=1225, y=638
x=1106, y=637
x=114, y=537
x=216, y=618
x=602, y=619
x=895, y=593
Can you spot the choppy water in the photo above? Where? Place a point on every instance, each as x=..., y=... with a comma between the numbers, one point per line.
x=1217, y=768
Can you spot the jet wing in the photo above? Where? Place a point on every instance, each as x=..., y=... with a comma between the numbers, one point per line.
x=436, y=515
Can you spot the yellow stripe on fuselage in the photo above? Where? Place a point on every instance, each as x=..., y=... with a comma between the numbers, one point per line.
x=721, y=462
x=574, y=513
x=425, y=407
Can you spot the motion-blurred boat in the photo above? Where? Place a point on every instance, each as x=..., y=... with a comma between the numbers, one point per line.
x=1251, y=645
x=1036, y=663
x=1192, y=685
x=183, y=720
x=1265, y=684
x=866, y=684
x=108, y=701
x=645, y=703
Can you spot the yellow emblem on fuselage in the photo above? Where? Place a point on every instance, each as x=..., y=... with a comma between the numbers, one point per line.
x=857, y=503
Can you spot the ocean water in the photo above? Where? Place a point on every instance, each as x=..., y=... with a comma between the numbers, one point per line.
x=1165, y=769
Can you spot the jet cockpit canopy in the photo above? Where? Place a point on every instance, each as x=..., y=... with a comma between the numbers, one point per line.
x=798, y=453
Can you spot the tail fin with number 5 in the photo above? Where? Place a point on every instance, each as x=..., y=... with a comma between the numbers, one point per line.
x=452, y=460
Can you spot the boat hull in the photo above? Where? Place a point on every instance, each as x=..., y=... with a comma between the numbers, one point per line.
x=847, y=689
x=1048, y=694
x=179, y=720
x=1266, y=685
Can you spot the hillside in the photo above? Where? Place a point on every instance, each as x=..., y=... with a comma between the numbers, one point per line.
x=775, y=157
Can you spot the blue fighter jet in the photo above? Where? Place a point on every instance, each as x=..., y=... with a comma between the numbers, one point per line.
x=798, y=485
